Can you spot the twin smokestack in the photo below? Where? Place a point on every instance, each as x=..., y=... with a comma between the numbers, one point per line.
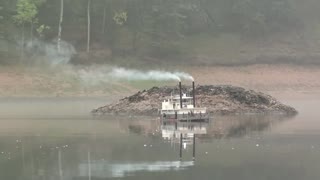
x=193, y=94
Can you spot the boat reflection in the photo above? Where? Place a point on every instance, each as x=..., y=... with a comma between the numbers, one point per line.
x=105, y=169
x=171, y=131
x=115, y=148
x=218, y=128
x=183, y=133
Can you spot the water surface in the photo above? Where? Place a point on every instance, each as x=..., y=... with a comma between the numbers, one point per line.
x=57, y=138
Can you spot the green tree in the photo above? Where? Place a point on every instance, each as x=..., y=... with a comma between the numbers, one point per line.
x=120, y=17
x=27, y=11
x=143, y=27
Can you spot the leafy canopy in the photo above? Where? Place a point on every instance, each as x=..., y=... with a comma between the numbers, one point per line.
x=26, y=12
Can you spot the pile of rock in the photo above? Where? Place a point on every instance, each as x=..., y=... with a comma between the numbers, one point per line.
x=218, y=99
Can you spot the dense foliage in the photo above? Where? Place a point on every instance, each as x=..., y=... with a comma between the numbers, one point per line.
x=153, y=28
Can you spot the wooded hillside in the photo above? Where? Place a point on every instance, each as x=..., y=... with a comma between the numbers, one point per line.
x=101, y=30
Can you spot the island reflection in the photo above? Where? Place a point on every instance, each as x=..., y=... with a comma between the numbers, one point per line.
x=116, y=146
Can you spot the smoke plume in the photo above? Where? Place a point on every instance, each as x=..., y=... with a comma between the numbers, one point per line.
x=95, y=75
x=131, y=74
x=50, y=51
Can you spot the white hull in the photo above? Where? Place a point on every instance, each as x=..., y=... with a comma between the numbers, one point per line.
x=195, y=114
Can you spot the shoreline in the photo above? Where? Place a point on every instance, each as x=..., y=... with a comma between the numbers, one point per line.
x=276, y=80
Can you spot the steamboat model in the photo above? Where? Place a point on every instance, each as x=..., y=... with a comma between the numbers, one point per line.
x=182, y=107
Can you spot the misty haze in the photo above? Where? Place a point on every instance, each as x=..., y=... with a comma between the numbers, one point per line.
x=162, y=89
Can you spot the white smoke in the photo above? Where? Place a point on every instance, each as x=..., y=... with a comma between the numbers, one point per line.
x=184, y=76
x=95, y=75
x=132, y=74
x=50, y=51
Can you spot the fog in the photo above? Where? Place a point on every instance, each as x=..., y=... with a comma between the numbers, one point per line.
x=61, y=59
x=135, y=33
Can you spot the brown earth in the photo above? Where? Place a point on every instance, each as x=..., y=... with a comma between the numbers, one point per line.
x=272, y=79
x=217, y=100
x=267, y=78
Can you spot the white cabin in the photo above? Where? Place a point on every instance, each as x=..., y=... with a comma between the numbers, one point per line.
x=173, y=103
x=183, y=107
x=171, y=106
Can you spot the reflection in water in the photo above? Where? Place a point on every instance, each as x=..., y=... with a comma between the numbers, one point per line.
x=60, y=166
x=120, y=151
x=217, y=128
x=171, y=131
x=183, y=133
x=104, y=169
x=245, y=125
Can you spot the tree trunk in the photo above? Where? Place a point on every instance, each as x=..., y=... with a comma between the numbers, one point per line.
x=22, y=44
x=104, y=19
x=88, y=38
x=89, y=165
x=134, y=41
x=60, y=26
x=60, y=164
x=209, y=19
x=31, y=34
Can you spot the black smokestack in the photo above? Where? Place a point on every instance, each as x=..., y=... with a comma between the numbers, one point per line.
x=194, y=94
x=180, y=89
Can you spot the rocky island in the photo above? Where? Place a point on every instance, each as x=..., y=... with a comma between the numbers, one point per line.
x=219, y=99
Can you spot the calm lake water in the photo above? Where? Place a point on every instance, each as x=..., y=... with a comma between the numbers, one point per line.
x=57, y=139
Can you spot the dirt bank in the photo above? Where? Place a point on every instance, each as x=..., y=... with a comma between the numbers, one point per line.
x=273, y=79
x=218, y=100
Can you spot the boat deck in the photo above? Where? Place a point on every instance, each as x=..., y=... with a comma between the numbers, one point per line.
x=195, y=118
